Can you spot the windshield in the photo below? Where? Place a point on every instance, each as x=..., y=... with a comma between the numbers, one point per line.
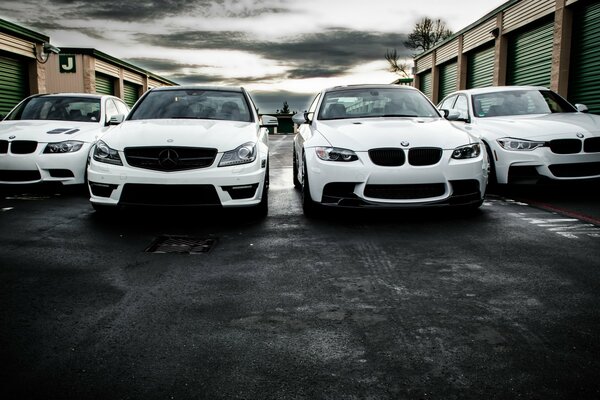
x=58, y=109
x=367, y=103
x=193, y=104
x=519, y=102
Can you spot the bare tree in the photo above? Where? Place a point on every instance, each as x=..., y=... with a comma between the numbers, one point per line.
x=397, y=67
x=427, y=33
x=286, y=108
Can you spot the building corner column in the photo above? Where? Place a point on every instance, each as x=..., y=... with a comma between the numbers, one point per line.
x=561, y=48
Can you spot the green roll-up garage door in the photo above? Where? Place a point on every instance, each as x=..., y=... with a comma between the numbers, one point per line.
x=105, y=84
x=530, y=57
x=130, y=93
x=448, y=79
x=584, y=86
x=14, y=85
x=425, y=84
x=480, y=68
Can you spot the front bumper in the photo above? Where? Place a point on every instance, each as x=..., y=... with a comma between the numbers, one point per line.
x=363, y=184
x=530, y=166
x=35, y=167
x=233, y=186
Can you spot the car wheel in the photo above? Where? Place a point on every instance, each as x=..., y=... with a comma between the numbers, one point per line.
x=262, y=209
x=492, y=180
x=297, y=183
x=310, y=208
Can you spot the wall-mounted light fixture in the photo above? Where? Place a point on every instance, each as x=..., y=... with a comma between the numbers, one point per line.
x=495, y=32
x=44, y=55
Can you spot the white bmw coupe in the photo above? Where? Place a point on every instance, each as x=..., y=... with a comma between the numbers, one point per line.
x=184, y=146
x=47, y=138
x=530, y=133
x=384, y=146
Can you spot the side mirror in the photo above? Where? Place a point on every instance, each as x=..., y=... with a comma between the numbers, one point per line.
x=302, y=118
x=116, y=119
x=268, y=120
x=452, y=115
x=581, y=108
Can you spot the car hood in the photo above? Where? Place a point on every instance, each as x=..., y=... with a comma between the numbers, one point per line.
x=221, y=135
x=366, y=134
x=540, y=127
x=50, y=131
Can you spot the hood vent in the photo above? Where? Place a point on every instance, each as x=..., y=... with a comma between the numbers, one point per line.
x=66, y=131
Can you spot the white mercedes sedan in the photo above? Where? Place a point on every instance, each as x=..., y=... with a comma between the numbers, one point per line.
x=384, y=146
x=47, y=138
x=184, y=146
x=530, y=133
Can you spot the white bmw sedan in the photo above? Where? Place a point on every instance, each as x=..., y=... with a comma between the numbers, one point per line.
x=184, y=146
x=530, y=133
x=384, y=146
x=47, y=138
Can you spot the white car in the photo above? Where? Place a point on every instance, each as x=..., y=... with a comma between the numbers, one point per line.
x=530, y=133
x=384, y=146
x=184, y=146
x=48, y=137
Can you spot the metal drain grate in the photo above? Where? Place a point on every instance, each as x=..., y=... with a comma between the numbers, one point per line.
x=181, y=245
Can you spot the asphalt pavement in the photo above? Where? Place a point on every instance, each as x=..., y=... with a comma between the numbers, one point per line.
x=432, y=304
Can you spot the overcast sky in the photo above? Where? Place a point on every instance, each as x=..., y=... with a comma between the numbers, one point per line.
x=277, y=49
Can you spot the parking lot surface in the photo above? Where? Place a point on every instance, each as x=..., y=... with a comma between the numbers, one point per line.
x=433, y=304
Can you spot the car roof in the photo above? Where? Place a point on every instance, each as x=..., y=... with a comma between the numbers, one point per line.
x=369, y=86
x=200, y=87
x=83, y=95
x=492, y=89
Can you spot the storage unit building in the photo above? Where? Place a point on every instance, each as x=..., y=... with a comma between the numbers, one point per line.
x=552, y=43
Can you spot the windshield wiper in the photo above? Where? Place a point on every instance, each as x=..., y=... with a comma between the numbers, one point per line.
x=398, y=115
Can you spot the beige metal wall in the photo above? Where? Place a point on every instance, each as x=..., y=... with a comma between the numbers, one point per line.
x=57, y=82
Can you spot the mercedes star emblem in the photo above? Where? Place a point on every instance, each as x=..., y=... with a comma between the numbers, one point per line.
x=168, y=158
x=12, y=137
x=404, y=143
x=580, y=135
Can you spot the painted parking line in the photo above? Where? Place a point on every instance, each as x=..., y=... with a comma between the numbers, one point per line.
x=555, y=220
x=565, y=212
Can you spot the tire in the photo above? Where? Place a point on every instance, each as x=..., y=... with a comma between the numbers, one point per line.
x=310, y=207
x=262, y=209
x=297, y=183
x=492, y=179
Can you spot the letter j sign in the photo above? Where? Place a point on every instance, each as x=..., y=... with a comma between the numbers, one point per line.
x=66, y=62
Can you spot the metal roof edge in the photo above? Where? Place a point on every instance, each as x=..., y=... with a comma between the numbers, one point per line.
x=106, y=57
x=22, y=32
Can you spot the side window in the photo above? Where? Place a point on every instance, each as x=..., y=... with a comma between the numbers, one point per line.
x=462, y=107
x=111, y=109
x=122, y=107
x=447, y=103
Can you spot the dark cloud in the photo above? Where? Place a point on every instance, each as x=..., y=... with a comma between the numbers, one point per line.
x=173, y=71
x=128, y=11
x=161, y=64
x=325, y=54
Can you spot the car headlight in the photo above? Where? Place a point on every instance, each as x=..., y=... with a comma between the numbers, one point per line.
x=244, y=154
x=68, y=146
x=468, y=151
x=335, y=154
x=519, y=144
x=103, y=153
